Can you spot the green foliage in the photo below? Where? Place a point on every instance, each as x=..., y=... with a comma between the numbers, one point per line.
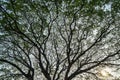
x=29, y=24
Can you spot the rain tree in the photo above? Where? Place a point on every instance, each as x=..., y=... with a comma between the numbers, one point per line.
x=57, y=39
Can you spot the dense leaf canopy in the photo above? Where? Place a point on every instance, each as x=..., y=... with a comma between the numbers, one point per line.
x=57, y=39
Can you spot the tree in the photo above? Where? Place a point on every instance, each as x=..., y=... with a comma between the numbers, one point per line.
x=58, y=39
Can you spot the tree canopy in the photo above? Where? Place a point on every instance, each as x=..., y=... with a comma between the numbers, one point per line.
x=57, y=39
